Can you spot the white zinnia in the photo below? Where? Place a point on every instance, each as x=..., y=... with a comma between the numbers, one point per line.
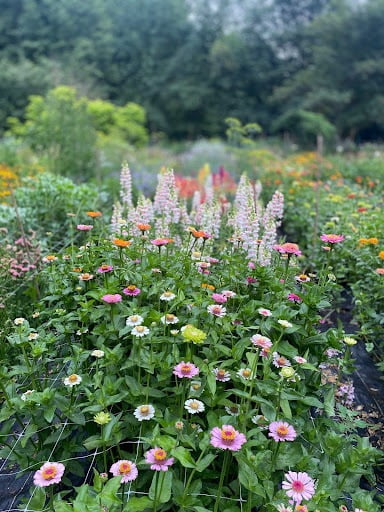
x=72, y=380
x=167, y=296
x=284, y=323
x=194, y=406
x=98, y=353
x=169, y=319
x=144, y=412
x=134, y=320
x=19, y=321
x=140, y=331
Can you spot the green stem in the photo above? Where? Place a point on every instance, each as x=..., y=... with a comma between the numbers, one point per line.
x=222, y=476
x=186, y=488
x=156, y=485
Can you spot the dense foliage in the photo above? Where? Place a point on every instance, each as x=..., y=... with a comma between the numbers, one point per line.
x=192, y=63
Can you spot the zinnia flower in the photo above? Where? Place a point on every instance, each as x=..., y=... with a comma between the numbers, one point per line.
x=221, y=375
x=159, y=242
x=217, y=310
x=285, y=323
x=219, y=298
x=194, y=406
x=102, y=418
x=111, y=298
x=121, y=243
x=185, y=370
x=227, y=438
x=298, y=486
x=261, y=341
x=264, y=312
x=300, y=360
x=167, y=296
x=228, y=293
x=94, y=214
x=126, y=469
x=281, y=431
x=98, y=353
x=302, y=278
x=280, y=361
x=49, y=473
x=105, y=268
x=72, y=380
x=85, y=277
x=134, y=320
x=283, y=508
x=19, y=321
x=169, y=319
x=84, y=227
x=140, y=331
x=332, y=239
x=233, y=410
x=288, y=248
x=245, y=373
x=293, y=297
x=49, y=258
x=144, y=412
x=380, y=271
x=131, y=290
x=192, y=333
x=26, y=394
x=33, y=336
x=143, y=227
x=157, y=457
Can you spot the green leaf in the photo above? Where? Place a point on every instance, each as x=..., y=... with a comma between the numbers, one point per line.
x=249, y=480
x=184, y=456
x=329, y=402
x=164, y=486
x=38, y=500
x=211, y=381
x=284, y=404
x=138, y=504
x=205, y=462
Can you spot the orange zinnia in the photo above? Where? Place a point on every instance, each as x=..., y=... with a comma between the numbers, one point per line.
x=121, y=243
x=381, y=255
x=143, y=227
x=94, y=214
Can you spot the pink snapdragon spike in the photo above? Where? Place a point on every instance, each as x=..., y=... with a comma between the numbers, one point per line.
x=294, y=298
x=131, y=290
x=157, y=457
x=111, y=298
x=288, y=248
x=281, y=431
x=104, y=269
x=298, y=486
x=49, y=473
x=126, y=469
x=332, y=239
x=84, y=227
x=227, y=438
x=185, y=370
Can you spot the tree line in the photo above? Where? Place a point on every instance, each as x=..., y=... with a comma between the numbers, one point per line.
x=290, y=65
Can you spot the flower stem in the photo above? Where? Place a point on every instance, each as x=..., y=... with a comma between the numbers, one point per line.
x=222, y=476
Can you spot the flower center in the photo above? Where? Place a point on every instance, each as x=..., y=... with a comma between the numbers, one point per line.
x=49, y=473
x=169, y=317
x=282, y=430
x=125, y=468
x=134, y=318
x=73, y=378
x=228, y=435
x=105, y=267
x=298, y=486
x=221, y=373
x=160, y=454
x=131, y=287
x=167, y=294
x=186, y=368
x=144, y=409
x=139, y=328
x=246, y=373
x=194, y=406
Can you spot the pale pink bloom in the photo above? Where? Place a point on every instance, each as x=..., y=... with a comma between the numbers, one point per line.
x=300, y=360
x=217, y=310
x=283, y=508
x=298, y=486
x=332, y=239
x=49, y=473
x=280, y=361
x=281, y=431
x=227, y=438
x=251, y=265
x=157, y=457
x=264, y=312
x=105, y=268
x=160, y=241
x=212, y=260
x=131, y=290
x=302, y=278
x=126, y=469
x=219, y=298
x=111, y=298
x=288, y=248
x=186, y=370
x=221, y=375
x=84, y=227
x=261, y=341
x=228, y=293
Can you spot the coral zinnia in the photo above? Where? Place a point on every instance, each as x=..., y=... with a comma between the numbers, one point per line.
x=126, y=469
x=157, y=457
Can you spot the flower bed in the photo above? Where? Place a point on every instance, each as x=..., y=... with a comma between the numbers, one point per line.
x=171, y=367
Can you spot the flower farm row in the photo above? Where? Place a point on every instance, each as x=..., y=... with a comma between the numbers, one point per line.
x=171, y=367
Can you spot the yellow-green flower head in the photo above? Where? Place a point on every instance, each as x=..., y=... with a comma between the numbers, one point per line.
x=287, y=372
x=191, y=333
x=102, y=418
x=349, y=341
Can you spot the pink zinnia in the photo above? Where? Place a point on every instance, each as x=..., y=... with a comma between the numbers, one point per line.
x=294, y=298
x=160, y=241
x=126, y=469
x=84, y=227
x=280, y=361
x=49, y=473
x=227, y=438
x=105, y=268
x=332, y=239
x=131, y=290
x=264, y=312
x=219, y=298
x=288, y=248
x=281, y=431
x=157, y=457
x=221, y=375
x=261, y=341
x=217, y=310
x=111, y=298
x=298, y=486
x=185, y=370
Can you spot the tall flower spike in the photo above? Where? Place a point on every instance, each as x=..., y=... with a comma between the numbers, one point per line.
x=126, y=187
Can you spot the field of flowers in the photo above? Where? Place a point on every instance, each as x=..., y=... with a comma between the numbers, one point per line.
x=173, y=356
